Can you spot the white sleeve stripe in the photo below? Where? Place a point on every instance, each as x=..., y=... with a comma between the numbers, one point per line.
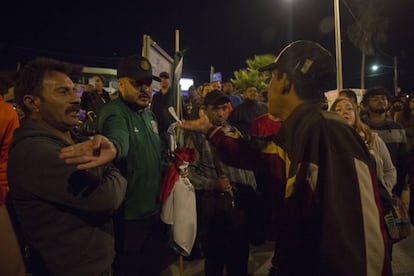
x=374, y=243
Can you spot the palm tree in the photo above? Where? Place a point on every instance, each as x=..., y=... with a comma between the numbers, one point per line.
x=368, y=31
x=251, y=75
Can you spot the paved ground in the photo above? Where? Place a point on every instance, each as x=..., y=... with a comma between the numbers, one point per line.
x=259, y=263
x=403, y=260
x=403, y=256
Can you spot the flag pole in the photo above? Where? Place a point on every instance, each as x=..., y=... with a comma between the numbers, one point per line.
x=177, y=83
x=177, y=49
x=178, y=111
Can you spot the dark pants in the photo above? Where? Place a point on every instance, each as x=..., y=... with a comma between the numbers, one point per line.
x=141, y=246
x=224, y=238
x=231, y=253
x=411, y=207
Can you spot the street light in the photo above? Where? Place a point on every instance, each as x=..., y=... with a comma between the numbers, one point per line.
x=375, y=68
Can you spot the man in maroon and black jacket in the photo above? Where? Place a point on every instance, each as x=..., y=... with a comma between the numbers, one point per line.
x=331, y=220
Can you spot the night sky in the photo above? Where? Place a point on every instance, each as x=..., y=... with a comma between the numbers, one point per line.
x=221, y=33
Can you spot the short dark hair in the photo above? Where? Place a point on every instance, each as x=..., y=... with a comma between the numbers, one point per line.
x=229, y=81
x=374, y=91
x=101, y=77
x=164, y=75
x=302, y=88
x=31, y=77
x=250, y=85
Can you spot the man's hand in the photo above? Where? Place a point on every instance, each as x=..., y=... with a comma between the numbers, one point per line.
x=202, y=124
x=89, y=154
x=223, y=184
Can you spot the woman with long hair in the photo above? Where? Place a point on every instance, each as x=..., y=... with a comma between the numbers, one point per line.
x=386, y=172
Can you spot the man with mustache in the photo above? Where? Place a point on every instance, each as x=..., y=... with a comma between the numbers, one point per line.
x=132, y=128
x=65, y=211
x=376, y=105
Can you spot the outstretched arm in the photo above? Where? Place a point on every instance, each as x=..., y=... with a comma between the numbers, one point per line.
x=89, y=154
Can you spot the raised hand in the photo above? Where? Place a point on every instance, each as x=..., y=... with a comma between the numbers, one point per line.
x=202, y=124
x=89, y=154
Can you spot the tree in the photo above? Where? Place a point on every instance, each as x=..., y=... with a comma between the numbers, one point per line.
x=369, y=30
x=251, y=75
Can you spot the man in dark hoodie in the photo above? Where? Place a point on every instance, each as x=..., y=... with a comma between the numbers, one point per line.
x=244, y=114
x=65, y=211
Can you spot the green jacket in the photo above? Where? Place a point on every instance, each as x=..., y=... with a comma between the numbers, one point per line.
x=135, y=136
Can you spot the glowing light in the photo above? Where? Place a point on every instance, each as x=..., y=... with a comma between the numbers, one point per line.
x=186, y=83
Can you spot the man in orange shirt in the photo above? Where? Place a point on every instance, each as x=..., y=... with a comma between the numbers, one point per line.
x=11, y=260
x=8, y=123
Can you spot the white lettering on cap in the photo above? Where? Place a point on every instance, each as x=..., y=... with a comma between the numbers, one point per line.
x=306, y=66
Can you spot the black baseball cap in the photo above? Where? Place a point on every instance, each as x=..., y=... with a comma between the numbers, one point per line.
x=306, y=61
x=164, y=75
x=216, y=97
x=137, y=68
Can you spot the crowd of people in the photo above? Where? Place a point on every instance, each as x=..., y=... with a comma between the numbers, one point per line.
x=276, y=166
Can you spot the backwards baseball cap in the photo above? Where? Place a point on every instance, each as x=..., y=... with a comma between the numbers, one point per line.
x=137, y=68
x=308, y=62
x=215, y=97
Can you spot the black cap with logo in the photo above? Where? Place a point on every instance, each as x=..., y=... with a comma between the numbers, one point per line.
x=306, y=61
x=137, y=68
